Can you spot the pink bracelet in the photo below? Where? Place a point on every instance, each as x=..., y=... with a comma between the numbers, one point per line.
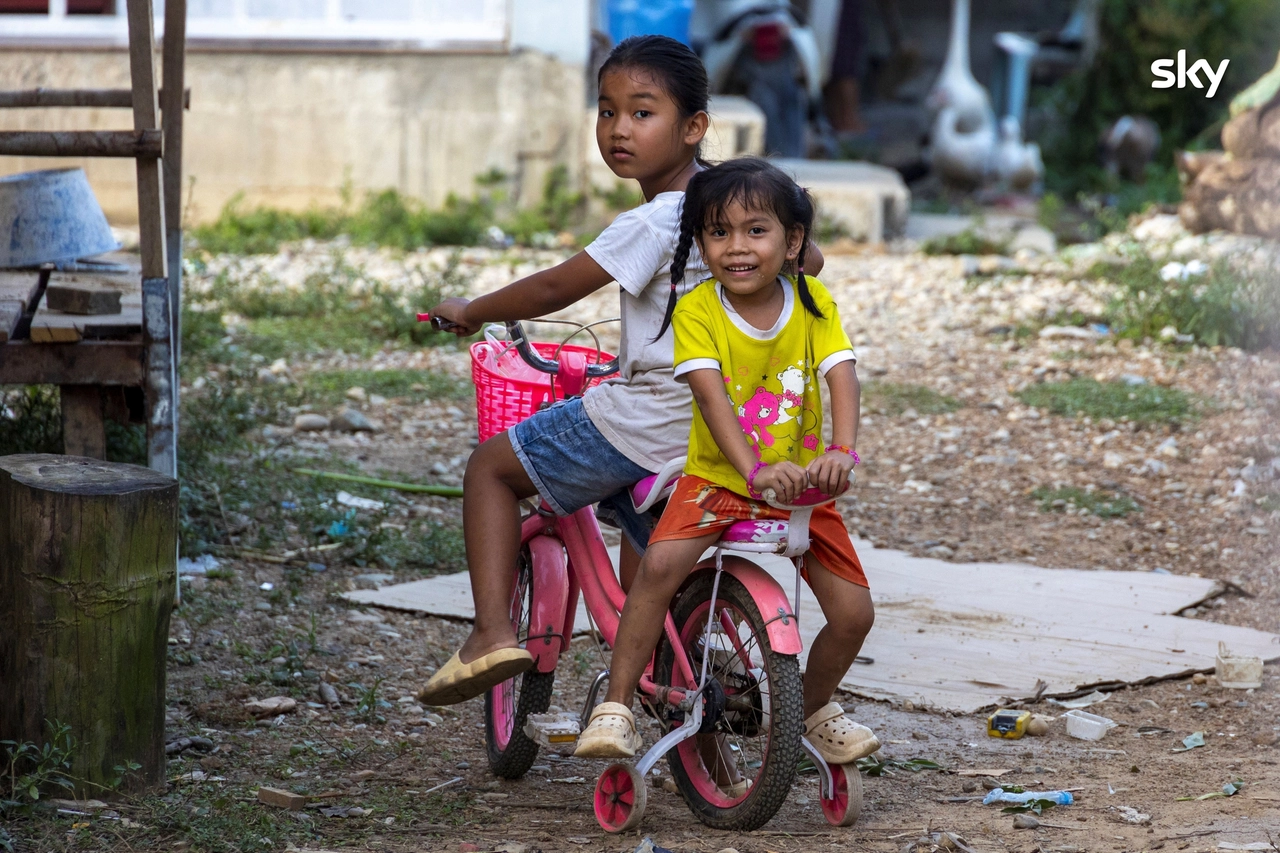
x=751, y=481
x=844, y=449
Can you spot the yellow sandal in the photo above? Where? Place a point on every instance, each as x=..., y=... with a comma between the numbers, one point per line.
x=838, y=739
x=457, y=681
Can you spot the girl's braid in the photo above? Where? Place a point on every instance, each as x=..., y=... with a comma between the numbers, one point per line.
x=689, y=219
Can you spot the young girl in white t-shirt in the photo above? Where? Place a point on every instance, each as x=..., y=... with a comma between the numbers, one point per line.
x=753, y=344
x=652, y=117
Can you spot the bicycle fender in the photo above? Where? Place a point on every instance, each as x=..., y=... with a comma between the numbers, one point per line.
x=782, y=625
x=550, y=601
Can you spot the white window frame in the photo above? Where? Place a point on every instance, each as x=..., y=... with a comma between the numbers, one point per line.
x=491, y=32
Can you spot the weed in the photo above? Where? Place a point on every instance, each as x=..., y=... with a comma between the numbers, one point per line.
x=967, y=242
x=621, y=197
x=1223, y=307
x=388, y=218
x=892, y=398
x=329, y=387
x=31, y=769
x=560, y=208
x=828, y=229
x=1071, y=499
x=1143, y=404
x=368, y=702
x=30, y=419
x=1268, y=502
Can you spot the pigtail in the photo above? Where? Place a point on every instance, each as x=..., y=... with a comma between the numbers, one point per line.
x=678, y=261
x=804, y=216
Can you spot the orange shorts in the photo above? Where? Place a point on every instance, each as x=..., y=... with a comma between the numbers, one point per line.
x=698, y=507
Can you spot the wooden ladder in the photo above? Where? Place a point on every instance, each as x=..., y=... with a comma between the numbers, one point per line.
x=156, y=144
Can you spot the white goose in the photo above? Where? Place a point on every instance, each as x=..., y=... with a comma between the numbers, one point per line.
x=964, y=129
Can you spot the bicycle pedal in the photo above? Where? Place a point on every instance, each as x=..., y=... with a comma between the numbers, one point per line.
x=553, y=729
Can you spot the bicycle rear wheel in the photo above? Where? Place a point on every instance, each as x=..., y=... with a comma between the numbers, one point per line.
x=508, y=706
x=738, y=774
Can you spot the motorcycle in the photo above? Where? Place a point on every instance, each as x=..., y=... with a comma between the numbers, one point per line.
x=768, y=52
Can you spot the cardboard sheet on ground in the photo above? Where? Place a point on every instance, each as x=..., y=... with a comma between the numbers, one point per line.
x=960, y=636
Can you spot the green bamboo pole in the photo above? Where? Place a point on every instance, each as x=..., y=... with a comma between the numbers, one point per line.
x=441, y=491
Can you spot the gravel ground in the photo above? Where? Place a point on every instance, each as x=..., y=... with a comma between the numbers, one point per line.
x=954, y=483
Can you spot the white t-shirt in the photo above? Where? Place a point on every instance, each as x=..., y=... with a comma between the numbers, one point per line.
x=643, y=411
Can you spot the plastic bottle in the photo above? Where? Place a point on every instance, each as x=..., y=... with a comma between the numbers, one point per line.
x=1000, y=795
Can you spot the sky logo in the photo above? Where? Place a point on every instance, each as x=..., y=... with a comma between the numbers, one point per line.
x=1167, y=79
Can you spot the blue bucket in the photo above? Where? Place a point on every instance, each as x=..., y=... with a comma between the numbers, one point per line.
x=649, y=18
x=50, y=216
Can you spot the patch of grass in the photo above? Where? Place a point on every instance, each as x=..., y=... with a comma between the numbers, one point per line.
x=967, y=242
x=1222, y=307
x=338, y=307
x=329, y=387
x=238, y=493
x=1072, y=498
x=261, y=231
x=388, y=218
x=1143, y=404
x=892, y=398
x=1268, y=503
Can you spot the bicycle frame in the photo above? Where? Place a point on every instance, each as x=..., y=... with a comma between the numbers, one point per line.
x=589, y=571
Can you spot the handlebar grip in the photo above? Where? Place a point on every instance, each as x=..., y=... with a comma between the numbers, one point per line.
x=436, y=323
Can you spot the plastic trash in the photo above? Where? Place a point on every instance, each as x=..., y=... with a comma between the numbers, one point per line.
x=348, y=499
x=1237, y=672
x=647, y=846
x=1086, y=726
x=197, y=565
x=1000, y=795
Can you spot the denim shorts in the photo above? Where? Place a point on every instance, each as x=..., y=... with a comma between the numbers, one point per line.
x=573, y=465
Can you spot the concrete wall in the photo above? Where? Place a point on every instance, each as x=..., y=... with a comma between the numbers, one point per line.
x=288, y=128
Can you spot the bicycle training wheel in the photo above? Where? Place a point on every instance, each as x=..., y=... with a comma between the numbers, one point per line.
x=507, y=706
x=845, y=804
x=738, y=773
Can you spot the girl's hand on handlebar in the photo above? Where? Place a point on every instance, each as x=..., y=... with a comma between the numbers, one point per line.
x=455, y=311
x=787, y=480
x=830, y=472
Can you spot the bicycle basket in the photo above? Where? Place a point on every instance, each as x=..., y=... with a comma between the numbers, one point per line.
x=508, y=390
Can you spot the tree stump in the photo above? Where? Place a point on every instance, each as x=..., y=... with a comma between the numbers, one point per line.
x=88, y=554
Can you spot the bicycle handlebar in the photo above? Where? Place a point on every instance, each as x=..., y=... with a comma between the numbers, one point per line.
x=531, y=357
x=521, y=342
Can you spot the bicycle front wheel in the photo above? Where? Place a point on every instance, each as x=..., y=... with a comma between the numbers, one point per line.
x=508, y=706
x=738, y=773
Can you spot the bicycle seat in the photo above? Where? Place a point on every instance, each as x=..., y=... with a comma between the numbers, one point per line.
x=656, y=487
x=789, y=537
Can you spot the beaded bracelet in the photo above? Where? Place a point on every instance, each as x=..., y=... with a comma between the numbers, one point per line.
x=844, y=449
x=751, y=480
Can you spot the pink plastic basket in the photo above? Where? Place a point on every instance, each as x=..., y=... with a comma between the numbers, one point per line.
x=508, y=390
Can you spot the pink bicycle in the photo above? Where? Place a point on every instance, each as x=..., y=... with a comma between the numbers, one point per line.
x=724, y=681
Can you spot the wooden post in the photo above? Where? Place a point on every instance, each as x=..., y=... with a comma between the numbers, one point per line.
x=84, y=429
x=171, y=107
x=87, y=553
x=157, y=319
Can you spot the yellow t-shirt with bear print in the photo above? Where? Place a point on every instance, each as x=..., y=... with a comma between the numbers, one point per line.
x=770, y=375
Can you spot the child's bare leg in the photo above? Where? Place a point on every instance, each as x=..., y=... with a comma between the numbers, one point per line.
x=850, y=615
x=628, y=564
x=663, y=568
x=493, y=486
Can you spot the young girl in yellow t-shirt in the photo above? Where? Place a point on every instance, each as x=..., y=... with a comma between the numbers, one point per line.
x=752, y=343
